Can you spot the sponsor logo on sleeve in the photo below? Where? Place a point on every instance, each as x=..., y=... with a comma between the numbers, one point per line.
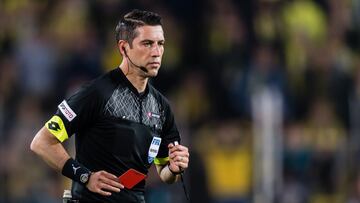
x=56, y=127
x=67, y=111
x=52, y=125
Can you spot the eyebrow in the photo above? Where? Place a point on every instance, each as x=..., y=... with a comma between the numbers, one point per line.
x=151, y=41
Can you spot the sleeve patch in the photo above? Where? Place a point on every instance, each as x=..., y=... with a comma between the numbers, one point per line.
x=67, y=111
x=161, y=161
x=56, y=127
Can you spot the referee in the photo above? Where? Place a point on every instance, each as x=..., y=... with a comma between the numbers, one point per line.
x=119, y=120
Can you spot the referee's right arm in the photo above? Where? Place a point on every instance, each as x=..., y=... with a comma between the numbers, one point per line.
x=48, y=147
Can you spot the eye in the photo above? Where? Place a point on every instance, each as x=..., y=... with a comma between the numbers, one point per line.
x=161, y=43
x=148, y=44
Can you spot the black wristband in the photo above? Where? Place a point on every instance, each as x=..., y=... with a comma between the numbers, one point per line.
x=175, y=173
x=75, y=171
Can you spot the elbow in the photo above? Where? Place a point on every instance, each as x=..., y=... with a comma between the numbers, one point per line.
x=34, y=146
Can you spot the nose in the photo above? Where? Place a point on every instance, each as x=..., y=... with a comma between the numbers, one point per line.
x=157, y=51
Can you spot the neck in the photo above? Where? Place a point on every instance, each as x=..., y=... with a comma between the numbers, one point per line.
x=137, y=79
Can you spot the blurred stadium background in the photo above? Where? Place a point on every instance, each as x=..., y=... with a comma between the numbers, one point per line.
x=266, y=93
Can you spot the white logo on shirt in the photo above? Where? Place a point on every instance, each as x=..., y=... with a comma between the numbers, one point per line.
x=154, y=149
x=67, y=111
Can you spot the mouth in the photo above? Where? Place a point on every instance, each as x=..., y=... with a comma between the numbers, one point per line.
x=154, y=63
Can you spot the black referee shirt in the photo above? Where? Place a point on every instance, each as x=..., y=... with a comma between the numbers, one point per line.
x=114, y=127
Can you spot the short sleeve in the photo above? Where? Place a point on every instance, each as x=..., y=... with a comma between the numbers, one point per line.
x=75, y=114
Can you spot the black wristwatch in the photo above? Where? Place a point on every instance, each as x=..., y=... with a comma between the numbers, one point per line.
x=76, y=171
x=85, y=177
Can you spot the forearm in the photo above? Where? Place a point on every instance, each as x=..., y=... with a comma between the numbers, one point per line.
x=166, y=175
x=49, y=149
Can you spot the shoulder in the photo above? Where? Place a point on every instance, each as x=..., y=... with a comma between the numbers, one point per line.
x=101, y=86
x=159, y=96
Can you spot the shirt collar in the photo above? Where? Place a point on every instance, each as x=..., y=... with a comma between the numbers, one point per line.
x=127, y=82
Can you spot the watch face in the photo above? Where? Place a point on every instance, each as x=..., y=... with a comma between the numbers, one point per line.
x=84, y=177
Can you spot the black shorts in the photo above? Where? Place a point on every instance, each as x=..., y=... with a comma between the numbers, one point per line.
x=124, y=196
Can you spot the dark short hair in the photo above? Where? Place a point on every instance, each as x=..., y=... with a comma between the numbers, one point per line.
x=126, y=28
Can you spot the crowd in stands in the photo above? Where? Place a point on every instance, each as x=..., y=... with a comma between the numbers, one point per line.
x=218, y=55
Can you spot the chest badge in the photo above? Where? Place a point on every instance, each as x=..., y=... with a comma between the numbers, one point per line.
x=154, y=149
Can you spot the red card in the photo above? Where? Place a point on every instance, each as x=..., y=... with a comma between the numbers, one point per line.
x=131, y=177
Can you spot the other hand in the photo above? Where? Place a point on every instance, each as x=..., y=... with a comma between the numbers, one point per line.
x=179, y=157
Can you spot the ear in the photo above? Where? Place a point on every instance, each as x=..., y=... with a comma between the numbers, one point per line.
x=122, y=47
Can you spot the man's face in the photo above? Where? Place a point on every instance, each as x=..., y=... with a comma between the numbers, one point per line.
x=148, y=48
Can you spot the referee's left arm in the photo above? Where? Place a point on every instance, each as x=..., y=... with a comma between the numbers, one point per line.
x=178, y=162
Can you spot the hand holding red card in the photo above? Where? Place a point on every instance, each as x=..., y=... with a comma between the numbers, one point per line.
x=131, y=177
